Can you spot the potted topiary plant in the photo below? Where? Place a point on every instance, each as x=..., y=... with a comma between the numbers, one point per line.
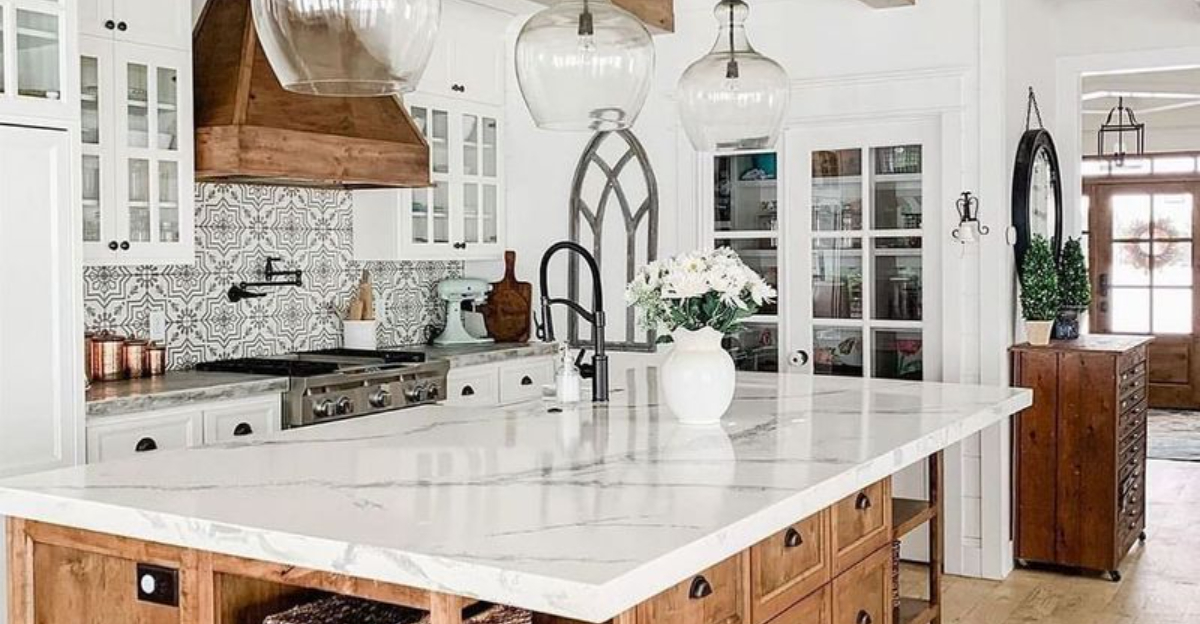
x=1074, y=290
x=1039, y=291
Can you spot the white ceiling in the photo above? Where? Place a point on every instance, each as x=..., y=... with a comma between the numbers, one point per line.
x=1167, y=98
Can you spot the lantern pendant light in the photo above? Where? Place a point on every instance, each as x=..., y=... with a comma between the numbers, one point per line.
x=347, y=47
x=733, y=97
x=584, y=65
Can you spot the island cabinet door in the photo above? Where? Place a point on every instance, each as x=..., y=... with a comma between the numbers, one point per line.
x=715, y=596
x=861, y=524
x=863, y=595
x=788, y=566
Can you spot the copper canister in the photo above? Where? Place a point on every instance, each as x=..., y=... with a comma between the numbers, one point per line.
x=156, y=359
x=108, y=357
x=87, y=356
x=135, y=358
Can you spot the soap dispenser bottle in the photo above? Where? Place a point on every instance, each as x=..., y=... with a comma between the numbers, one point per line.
x=568, y=381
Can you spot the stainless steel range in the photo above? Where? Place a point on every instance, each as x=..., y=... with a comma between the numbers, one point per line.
x=334, y=384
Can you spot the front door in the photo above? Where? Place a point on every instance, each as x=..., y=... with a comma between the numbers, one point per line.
x=1144, y=266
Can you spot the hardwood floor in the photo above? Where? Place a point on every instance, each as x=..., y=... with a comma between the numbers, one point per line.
x=1161, y=583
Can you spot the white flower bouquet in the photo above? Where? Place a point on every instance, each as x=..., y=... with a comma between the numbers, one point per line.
x=695, y=290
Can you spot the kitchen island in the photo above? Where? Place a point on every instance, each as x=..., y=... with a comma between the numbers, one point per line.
x=587, y=513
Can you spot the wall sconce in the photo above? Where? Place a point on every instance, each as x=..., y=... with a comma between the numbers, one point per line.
x=969, y=228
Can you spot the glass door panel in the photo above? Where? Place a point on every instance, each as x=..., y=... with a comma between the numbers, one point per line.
x=137, y=104
x=898, y=354
x=837, y=193
x=91, y=187
x=746, y=194
x=1151, y=263
x=470, y=144
x=837, y=278
x=490, y=147
x=755, y=348
x=760, y=254
x=3, y=77
x=168, y=201
x=420, y=215
x=441, y=212
x=439, y=141
x=897, y=275
x=139, y=200
x=838, y=351
x=168, y=110
x=490, y=213
x=89, y=94
x=470, y=213
x=896, y=187
x=39, y=49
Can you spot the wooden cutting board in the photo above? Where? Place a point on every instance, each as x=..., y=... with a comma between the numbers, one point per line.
x=509, y=305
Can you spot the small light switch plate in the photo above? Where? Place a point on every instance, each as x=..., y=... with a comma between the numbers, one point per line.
x=157, y=585
x=158, y=326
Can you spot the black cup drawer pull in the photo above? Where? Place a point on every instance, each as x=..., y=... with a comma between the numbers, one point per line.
x=863, y=618
x=526, y=381
x=468, y=391
x=243, y=429
x=863, y=502
x=145, y=445
x=700, y=588
x=792, y=539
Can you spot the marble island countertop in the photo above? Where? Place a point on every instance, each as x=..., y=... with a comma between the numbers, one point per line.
x=582, y=514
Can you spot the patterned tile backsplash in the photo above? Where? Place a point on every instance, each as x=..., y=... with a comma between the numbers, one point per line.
x=237, y=228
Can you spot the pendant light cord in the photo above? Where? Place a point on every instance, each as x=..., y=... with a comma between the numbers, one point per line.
x=731, y=68
x=586, y=28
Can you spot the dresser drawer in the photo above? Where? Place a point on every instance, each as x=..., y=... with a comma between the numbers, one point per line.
x=1131, y=400
x=1133, y=381
x=1131, y=358
x=156, y=432
x=815, y=609
x=1132, y=419
x=715, y=596
x=863, y=595
x=788, y=566
x=242, y=420
x=474, y=386
x=523, y=380
x=861, y=524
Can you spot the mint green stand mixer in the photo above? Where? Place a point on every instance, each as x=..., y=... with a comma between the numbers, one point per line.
x=454, y=292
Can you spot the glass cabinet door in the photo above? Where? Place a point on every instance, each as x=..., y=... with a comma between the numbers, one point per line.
x=39, y=50
x=480, y=194
x=429, y=211
x=866, y=261
x=93, y=88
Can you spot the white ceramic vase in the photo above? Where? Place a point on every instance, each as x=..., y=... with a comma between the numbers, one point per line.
x=698, y=377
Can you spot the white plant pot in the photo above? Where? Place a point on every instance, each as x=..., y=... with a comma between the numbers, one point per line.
x=698, y=377
x=1038, y=332
x=359, y=335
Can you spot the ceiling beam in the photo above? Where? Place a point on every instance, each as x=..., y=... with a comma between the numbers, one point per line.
x=889, y=4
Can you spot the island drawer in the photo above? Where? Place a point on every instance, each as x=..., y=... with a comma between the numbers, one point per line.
x=788, y=566
x=863, y=595
x=815, y=609
x=157, y=431
x=861, y=524
x=715, y=596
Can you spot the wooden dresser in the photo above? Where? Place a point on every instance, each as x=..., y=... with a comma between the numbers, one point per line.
x=1081, y=451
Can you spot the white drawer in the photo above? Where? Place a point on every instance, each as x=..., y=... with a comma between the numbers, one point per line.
x=242, y=420
x=473, y=386
x=522, y=380
x=154, y=432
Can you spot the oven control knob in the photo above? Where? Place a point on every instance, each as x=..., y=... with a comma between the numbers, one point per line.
x=380, y=398
x=414, y=394
x=433, y=392
x=324, y=409
x=344, y=406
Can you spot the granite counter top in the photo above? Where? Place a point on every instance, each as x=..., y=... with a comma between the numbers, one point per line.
x=175, y=388
x=582, y=514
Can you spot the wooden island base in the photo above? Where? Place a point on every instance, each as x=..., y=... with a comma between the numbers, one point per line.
x=838, y=566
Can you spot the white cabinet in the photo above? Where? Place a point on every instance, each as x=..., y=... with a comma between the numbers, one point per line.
x=462, y=215
x=165, y=23
x=37, y=55
x=41, y=352
x=137, y=157
x=468, y=59
x=206, y=423
x=499, y=384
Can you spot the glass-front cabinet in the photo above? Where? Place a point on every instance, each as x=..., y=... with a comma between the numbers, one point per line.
x=461, y=215
x=136, y=130
x=34, y=60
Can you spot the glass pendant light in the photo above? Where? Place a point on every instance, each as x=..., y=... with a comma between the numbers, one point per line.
x=733, y=97
x=347, y=47
x=584, y=65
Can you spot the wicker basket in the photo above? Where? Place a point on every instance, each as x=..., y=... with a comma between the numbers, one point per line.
x=350, y=610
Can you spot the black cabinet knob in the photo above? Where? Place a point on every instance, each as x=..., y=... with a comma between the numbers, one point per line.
x=124, y=245
x=700, y=588
x=113, y=245
x=468, y=391
x=122, y=27
x=863, y=502
x=863, y=618
x=110, y=24
x=792, y=539
x=145, y=445
x=526, y=381
x=460, y=245
x=457, y=88
x=243, y=429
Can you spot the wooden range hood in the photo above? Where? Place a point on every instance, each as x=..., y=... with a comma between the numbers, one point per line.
x=250, y=130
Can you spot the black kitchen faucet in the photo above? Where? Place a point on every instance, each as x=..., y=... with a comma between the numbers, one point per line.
x=598, y=369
